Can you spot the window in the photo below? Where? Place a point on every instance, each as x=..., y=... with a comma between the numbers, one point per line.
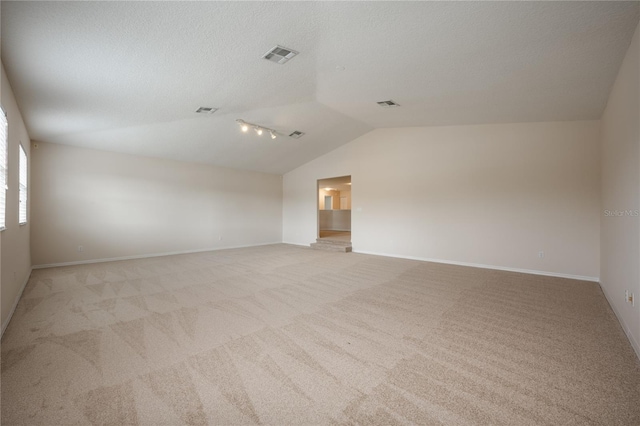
x=3, y=167
x=22, y=212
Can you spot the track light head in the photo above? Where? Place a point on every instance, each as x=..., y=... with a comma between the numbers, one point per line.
x=243, y=126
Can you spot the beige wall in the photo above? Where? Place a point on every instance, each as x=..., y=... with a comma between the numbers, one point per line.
x=334, y=220
x=347, y=196
x=117, y=205
x=491, y=195
x=335, y=201
x=15, y=262
x=620, y=224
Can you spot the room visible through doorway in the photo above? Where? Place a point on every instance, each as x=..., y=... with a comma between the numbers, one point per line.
x=334, y=209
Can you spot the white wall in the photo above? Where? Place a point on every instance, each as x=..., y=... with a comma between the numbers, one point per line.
x=493, y=195
x=15, y=261
x=118, y=205
x=620, y=235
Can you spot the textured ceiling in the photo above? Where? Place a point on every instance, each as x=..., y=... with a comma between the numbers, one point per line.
x=127, y=76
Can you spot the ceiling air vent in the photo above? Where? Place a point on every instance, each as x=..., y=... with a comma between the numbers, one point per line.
x=206, y=110
x=388, y=104
x=296, y=134
x=280, y=54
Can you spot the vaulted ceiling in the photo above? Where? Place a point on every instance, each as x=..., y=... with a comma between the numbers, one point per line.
x=128, y=76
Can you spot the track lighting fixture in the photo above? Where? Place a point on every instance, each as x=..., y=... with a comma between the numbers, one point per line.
x=244, y=126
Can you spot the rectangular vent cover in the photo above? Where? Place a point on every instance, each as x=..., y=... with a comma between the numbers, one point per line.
x=297, y=134
x=206, y=110
x=280, y=54
x=388, y=104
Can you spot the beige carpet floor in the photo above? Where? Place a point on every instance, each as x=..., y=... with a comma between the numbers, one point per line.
x=287, y=335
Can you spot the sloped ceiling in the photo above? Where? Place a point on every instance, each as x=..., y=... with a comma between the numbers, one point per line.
x=128, y=76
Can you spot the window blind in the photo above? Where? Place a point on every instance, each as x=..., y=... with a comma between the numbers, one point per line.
x=22, y=212
x=3, y=167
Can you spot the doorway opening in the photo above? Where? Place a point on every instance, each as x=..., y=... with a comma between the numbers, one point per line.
x=334, y=209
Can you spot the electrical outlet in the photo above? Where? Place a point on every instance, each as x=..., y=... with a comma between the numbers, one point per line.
x=541, y=254
x=80, y=249
x=628, y=297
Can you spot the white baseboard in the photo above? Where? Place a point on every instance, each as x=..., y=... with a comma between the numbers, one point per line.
x=145, y=256
x=634, y=343
x=483, y=266
x=296, y=244
x=15, y=302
